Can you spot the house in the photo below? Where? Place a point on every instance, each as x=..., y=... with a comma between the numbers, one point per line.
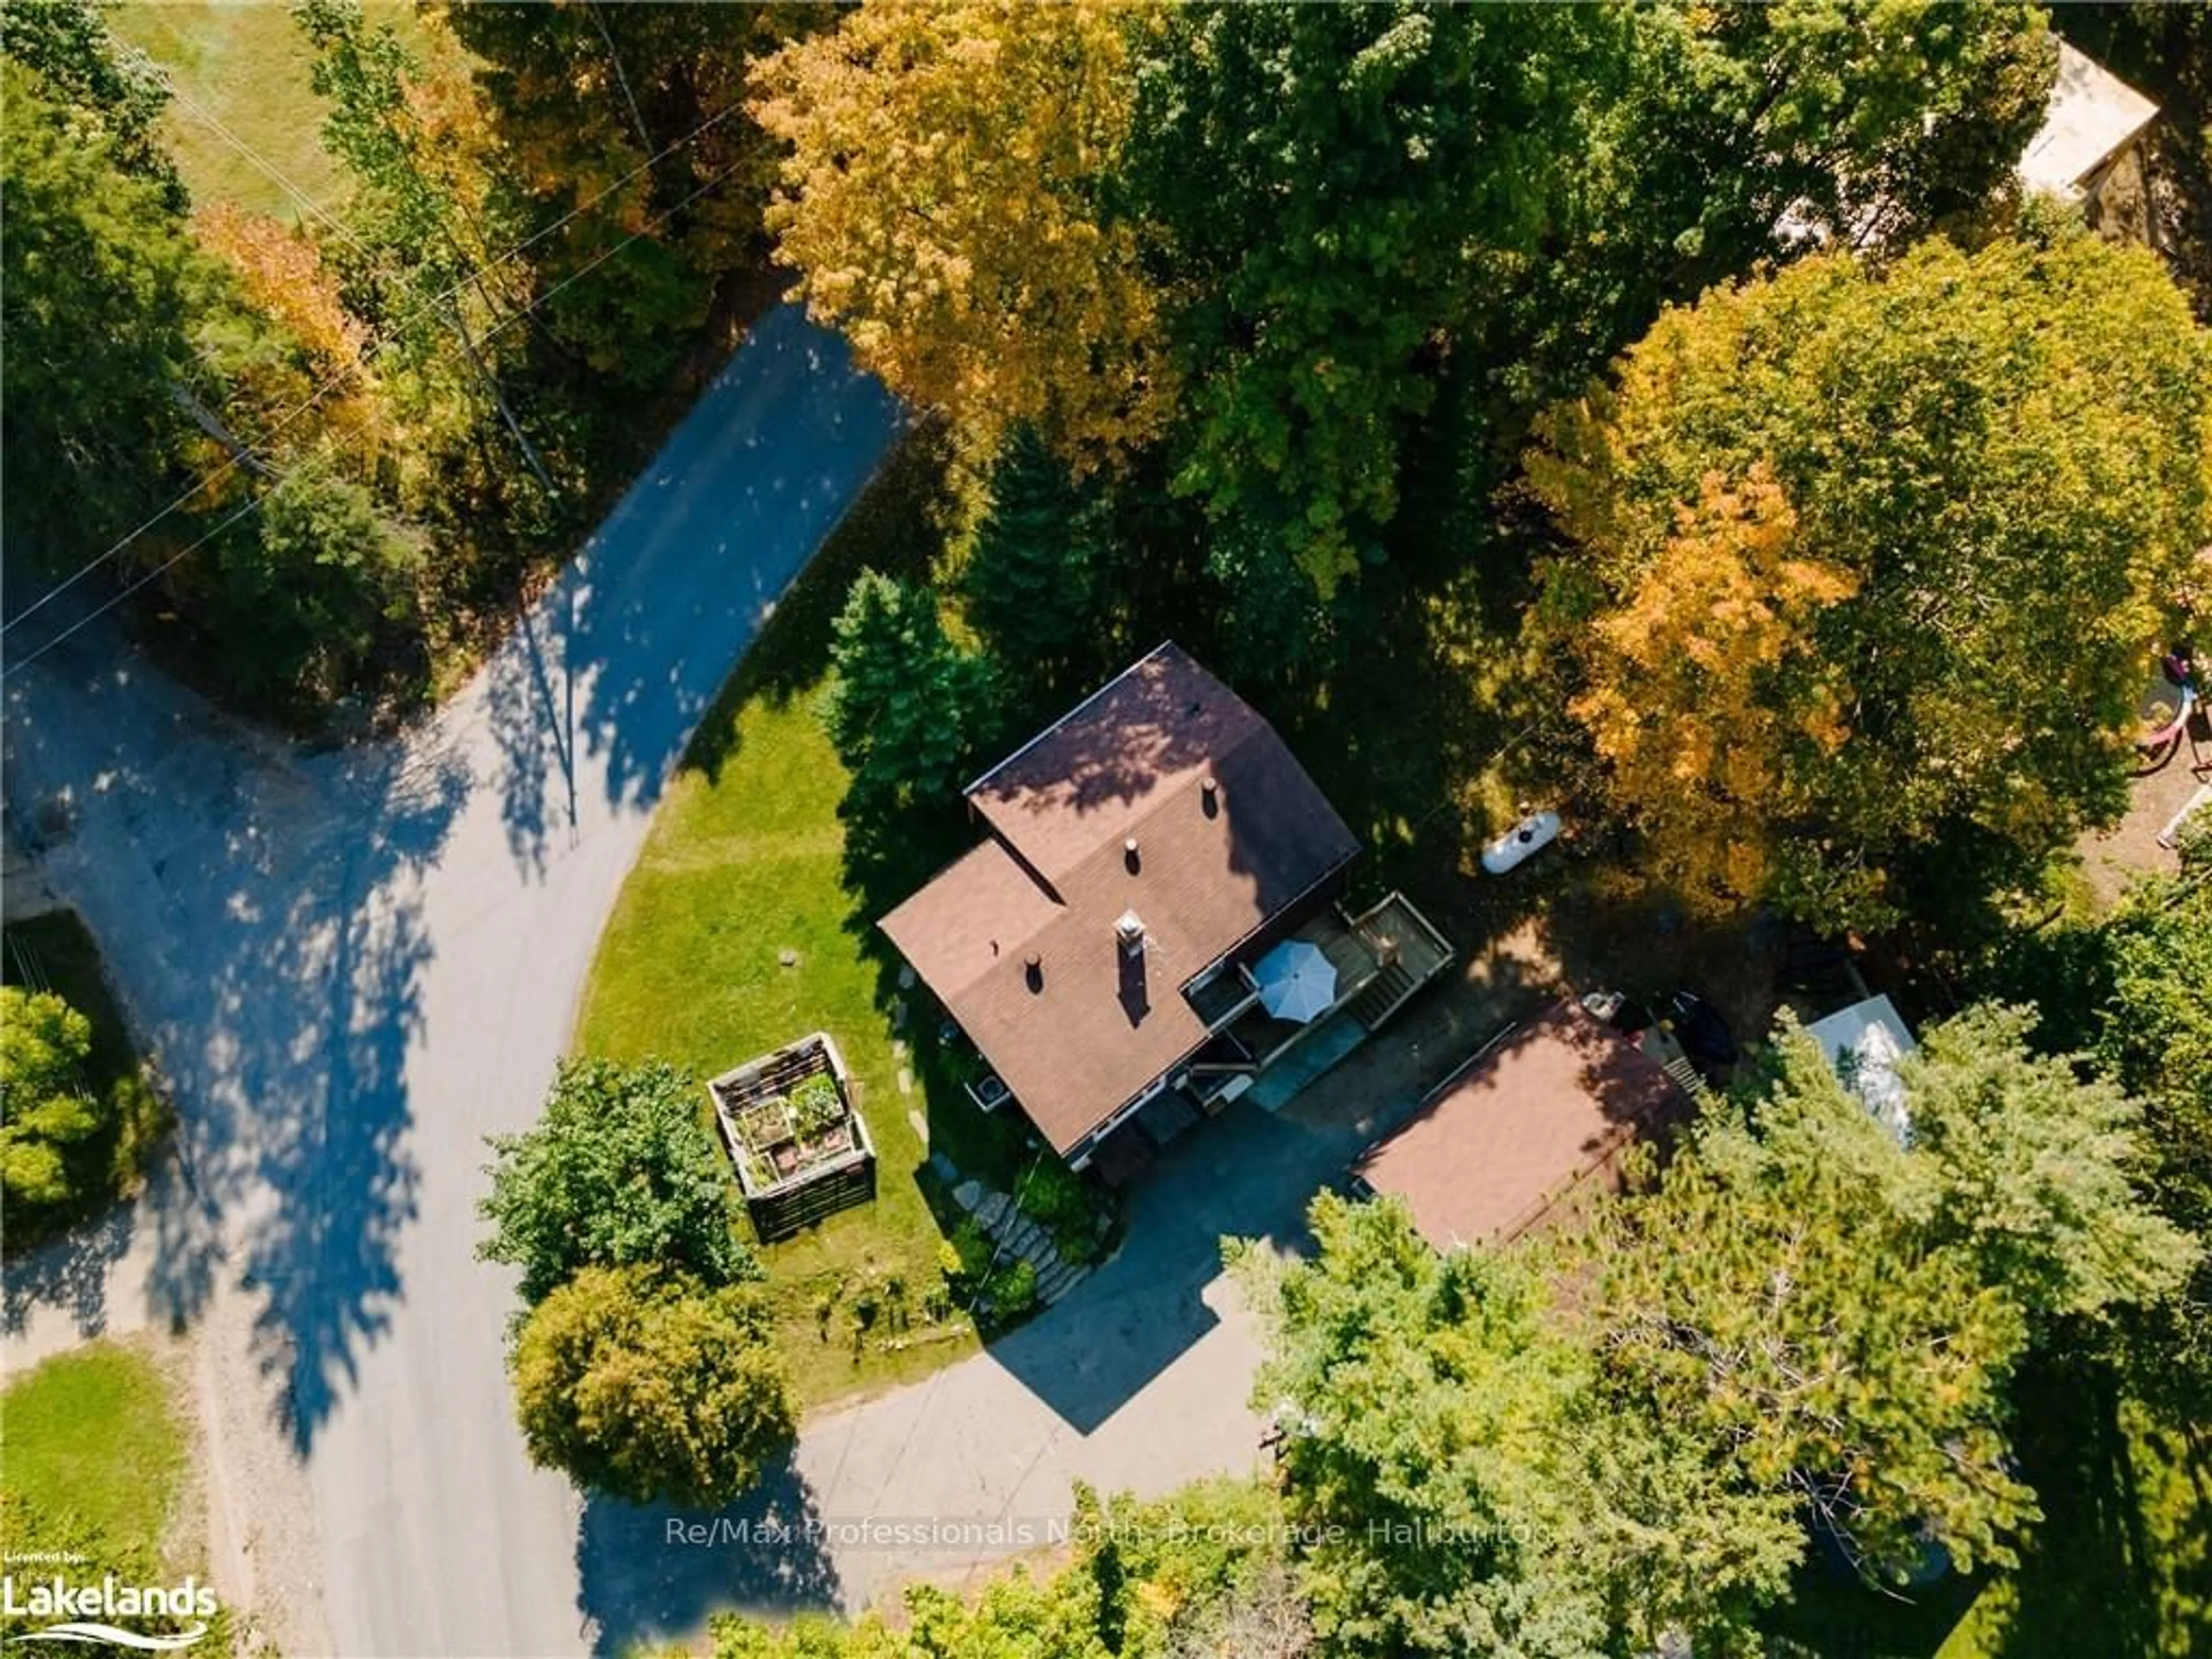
x=1141, y=858
x=1864, y=1044
x=2090, y=129
x=1534, y=1122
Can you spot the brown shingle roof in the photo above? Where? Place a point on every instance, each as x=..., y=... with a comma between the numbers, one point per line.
x=1538, y=1121
x=1090, y=1027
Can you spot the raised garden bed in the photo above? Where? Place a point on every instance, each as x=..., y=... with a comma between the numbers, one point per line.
x=800, y=1149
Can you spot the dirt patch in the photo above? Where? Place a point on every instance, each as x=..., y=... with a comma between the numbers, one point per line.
x=263, y=1550
x=2116, y=856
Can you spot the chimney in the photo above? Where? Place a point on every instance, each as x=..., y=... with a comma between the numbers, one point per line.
x=1130, y=930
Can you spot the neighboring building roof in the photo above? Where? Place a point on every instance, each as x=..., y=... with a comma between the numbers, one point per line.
x=2091, y=117
x=1864, y=1042
x=1091, y=1026
x=1535, y=1121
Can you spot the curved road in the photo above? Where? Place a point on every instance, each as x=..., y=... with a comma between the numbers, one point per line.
x=356, y=964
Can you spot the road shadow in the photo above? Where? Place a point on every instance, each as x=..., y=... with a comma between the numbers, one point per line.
x=70, y=1273
x=653, y=1574
x=608, y=675
x=262, y=915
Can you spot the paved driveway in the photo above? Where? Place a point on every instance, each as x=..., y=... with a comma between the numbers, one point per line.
x=355, y=965
x=1139, y=1380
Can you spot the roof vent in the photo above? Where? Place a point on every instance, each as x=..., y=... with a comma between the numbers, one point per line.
x=1130, y=858
x=1209, y=796
x=1033, y=973
x=1130, y=930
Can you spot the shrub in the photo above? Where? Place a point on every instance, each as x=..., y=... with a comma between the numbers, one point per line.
x=1067, y=1206
x=972, y=1251
x=816, y=1106
x=1013, y=1290
x=618, y=1172
x=652, y=1385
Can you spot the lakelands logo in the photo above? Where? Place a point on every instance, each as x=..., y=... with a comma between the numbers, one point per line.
x=88, y=1613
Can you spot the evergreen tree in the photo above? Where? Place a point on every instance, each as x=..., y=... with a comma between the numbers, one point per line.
x=908, y=710
x=2038, y=1170
x=1034, y=583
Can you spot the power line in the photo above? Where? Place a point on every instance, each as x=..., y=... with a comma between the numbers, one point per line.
x=329, y=383
x=262, y=162
x=254, y=505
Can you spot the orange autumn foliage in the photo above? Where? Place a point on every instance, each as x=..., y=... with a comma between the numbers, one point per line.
x=1707, y=697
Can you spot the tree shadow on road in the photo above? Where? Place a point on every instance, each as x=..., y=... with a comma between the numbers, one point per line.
x=263, y=915
x=657, y=1573
x=606, y=677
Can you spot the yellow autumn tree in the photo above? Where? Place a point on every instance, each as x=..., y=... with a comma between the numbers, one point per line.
x=2010, y=449
x=941, y=201
x=1708, y=698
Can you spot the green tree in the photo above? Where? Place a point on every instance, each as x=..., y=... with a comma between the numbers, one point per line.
x=2037, y=1170
x=1784, y=1300
x=1993, y=461
x=44, y=1045
x=1199, y=1574
x=1714, y=137
x=2127, y=989
x=647, y=1383
x=583, y=96
x=1469, y=1484
x=304, y=598
x=618, y=1172
x=1875, y=119
x=1335, y=188
x=113, y=93
x=420, y=262
x=2154, y=1035
x=102, y=289
x=908, y=709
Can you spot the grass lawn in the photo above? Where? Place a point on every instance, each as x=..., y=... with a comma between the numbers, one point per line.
x=747, y=859
x=246, y=65
x=96, y=1462
x=93, y=1435
x=53, y=952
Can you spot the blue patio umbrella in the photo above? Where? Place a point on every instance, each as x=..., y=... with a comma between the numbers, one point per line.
x=1297, y=982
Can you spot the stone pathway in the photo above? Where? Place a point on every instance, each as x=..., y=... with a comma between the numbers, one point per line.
x=1019, y=1237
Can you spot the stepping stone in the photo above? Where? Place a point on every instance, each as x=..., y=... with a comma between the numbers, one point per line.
x=993, y=1211
x=919, y=1124
x=905, y=976
x=898, y=1016
x=905, y=1081
x=943, y=1167
x=787, y=957
x=968, y=1194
